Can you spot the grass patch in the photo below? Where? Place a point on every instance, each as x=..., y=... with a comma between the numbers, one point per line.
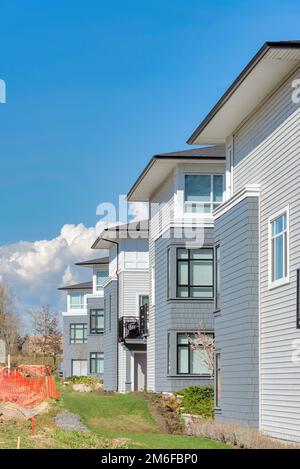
x=127, y=416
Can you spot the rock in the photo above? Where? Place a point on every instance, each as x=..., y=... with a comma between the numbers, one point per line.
x=82, y=387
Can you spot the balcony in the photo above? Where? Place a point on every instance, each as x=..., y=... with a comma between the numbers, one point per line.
x=132, y=328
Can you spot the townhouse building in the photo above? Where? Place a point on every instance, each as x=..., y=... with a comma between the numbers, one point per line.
x=83, y=323
x=257, y=238
x=182, y=189
x=126, y=297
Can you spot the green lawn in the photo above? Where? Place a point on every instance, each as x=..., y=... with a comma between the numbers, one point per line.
x=127, y=416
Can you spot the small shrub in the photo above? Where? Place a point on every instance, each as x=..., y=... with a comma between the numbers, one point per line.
x=198, y=400
x=94, y=383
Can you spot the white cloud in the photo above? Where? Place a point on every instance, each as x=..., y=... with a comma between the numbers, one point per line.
x=138, y=210
x=34, y=270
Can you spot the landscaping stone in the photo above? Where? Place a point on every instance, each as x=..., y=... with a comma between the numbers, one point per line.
x=81, y=387
x=70, y=422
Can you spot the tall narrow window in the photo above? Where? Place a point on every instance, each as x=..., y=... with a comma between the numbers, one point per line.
x=279, y=249
x=96, y=321
x=203, y=192
x=168, y=354
x=97, y=362
x=168, y=273
x=217, y=277
x=143, y=300
x=218, y=380
x=76, y=300
x=101, y=277
x=195, y=273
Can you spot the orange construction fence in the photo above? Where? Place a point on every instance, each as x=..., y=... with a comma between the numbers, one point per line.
x=24, y=391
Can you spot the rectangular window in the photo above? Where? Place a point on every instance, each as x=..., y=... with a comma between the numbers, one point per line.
x=279, y=249
x=190, y=361
x=168, y=354
x=143, y=300
x=77, y=300
x=195, y=273
x=218, y=380
x=97, y=362
x=168, y=273
x=101, y=277
x=203, y=192
x=96, y=321
x=78, y=333
x=217, y=277
x=109, y=313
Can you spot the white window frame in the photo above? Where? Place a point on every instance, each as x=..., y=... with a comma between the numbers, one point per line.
x=101, y=290
x=82, y=306
x=286, y=279
x=211, y=202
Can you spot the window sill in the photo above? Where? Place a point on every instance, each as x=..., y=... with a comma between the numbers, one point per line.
x=190, y=376
x=278, y=283
x=191, y=299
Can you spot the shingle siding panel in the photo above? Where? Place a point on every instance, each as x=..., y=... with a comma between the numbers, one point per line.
x=237, y=326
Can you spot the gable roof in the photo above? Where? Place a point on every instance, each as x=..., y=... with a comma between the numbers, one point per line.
x=161, y=165
x=91, y=262
x=78, y=286
x=111, y=234
x=265, y=71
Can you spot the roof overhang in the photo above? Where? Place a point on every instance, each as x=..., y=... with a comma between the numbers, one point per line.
x=274, y=62
x=157, y=171
x=113, y=234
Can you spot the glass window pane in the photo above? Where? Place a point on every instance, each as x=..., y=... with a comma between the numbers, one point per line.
x=197, y=188
x=182, y=339
x=183, y=359
x=201, y=292
x=201, y=273
x=182, y=254
x=278, y=225
x=199, y=363
x=183, y=270
x=201, y=253
x=278, y=260
x=182, y=292
x=218, y=189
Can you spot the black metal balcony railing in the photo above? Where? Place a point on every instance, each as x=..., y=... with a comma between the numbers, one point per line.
x=132, y=327
x=129, y=328
x=144, y=315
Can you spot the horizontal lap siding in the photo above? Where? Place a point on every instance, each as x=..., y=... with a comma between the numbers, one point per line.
x=110, y=338
x=236, y=326
x=266, y=151
x=173, y=316
x=164, y=195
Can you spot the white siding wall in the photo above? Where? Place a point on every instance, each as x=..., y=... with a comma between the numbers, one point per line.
x=266, y=151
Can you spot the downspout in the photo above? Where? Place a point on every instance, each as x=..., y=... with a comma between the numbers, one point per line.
x=117, y=273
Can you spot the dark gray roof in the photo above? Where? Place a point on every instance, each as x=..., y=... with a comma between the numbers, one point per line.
x=215, y=151
x=211, y=152
x=140, y=225
x=99, y=261
x=78, y=286
x=240, y=78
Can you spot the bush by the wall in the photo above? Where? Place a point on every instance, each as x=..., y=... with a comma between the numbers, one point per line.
x=198, y=400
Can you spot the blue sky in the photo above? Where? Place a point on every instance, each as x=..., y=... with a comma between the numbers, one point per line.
x=95, y=88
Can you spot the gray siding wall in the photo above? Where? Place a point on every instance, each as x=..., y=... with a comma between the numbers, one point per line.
x=81, y=351
x=236, y=326
x=266, y=152
x=110, y=337
x=72, y=351
x=173, y=315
